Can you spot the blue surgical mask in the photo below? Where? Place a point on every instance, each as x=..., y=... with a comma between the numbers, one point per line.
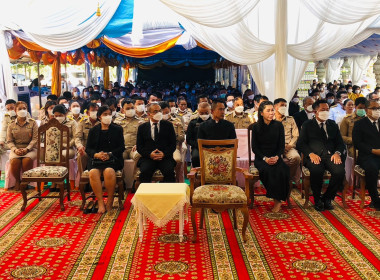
x=223, y=96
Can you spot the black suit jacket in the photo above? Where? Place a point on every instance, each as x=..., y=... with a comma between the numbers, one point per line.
x=311, y=139
x=166, y=142
x=300, y=118
x=116, y=142
x=192, y=132
x=365, y=138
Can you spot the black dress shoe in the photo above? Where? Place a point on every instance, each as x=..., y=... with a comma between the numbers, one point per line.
x=319, y=206
x=328, y=205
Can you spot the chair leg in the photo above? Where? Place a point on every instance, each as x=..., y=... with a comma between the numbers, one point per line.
x=290, y=191
x=354, y=186
x=344, y=194
x=202, y=218
x=121, y=194
x=39, y=187
x=251, y=193
x=234, y=216
x=194, y=224
x=244, y=211
x=362, y=192
x=307, y=191
x=303, y=188
x=61, y=195
x=24, y=195
x=68, y=186
x=83, y=195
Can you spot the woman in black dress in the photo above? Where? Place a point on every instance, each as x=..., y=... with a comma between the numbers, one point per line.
x=105, y=147
x=268, y=144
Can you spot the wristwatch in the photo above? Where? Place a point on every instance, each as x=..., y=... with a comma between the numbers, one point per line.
x=264, y=158
x=337, y=152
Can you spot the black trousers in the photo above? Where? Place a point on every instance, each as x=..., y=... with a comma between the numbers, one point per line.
x=149, y=166
x=195, y=157
x=316, y=177
x=371, y=167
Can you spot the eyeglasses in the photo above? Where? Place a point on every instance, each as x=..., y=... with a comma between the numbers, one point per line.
x=375, y=109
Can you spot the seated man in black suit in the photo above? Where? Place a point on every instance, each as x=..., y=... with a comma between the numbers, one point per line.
x=366, y=138
x=217, y=128
x=156, y=143
x=306, y=114
x=322, y=145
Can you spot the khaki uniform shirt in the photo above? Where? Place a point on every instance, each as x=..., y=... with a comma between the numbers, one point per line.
x=72, y=125
x=143, y=117
x=240, y=121
x=81, y=134
x=80, y=116
x=178, y=128
x=185, y=116
x=41, y=113
x=291, y=131
x=4, y=126
x=346, y=128
x=25, y=136
x=130, y=127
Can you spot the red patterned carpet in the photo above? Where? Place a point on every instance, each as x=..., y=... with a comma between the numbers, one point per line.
x=45, y=243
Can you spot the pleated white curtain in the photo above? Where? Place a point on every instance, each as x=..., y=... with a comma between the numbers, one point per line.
x=360, y=65
x=333, y=66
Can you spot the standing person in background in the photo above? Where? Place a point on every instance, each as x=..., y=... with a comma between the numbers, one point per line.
x=268, y=145
x=291, y=137
x=36, y=82
x=294, y=107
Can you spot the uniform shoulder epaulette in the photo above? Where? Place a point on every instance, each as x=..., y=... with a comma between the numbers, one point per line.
x=195, y=112
x=334, y=106
x=70, y=117
x=31, y=119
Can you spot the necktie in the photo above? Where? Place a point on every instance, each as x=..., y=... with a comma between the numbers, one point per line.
x=323, y=131
x=375, y=126
x=155, y=132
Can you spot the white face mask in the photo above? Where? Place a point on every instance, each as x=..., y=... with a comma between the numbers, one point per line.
x=282, y=110
x=250, y=97
x=230, y=104
x=66, y=106
x=376, y=114
x=357, y=91
x=130, y=113
x=239, y=109
x=12, y=113
x=99, y=104
x=324, y=115
x=296, y=100
x=158, y=116
x=350, y=90
x=165, y=117
x=60, y=119
x=173, y=110
x=22, y=113
x=93, y=115
x=140, y=108
x=113, y=113
x=75, y=110
x=309, y=108
x=204, y=117
x=106, y=119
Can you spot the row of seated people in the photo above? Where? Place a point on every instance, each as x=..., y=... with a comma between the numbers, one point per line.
x=17, y=136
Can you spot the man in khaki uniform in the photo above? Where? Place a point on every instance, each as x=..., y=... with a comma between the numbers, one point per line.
x=183, y=111
x=200, y=99
x=139, y=106
x=238, y=117
x=291, y=137
x=130, y=123
x=84, y=125
x=347, y=124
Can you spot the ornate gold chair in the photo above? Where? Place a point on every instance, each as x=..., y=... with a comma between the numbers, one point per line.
x=52, y=165
x=218, y=178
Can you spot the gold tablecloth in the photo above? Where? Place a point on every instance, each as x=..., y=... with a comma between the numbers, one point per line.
x=160, y=202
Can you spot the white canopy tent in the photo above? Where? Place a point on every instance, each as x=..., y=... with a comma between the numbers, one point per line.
x=274, y=38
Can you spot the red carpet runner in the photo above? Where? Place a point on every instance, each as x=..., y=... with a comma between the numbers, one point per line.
x=45, y=243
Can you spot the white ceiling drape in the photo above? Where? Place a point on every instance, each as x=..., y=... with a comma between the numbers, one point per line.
x=6, y=83
x=360, y=64
x=333, y=69
x=278, y=36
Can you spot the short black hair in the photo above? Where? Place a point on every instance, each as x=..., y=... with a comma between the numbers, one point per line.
x=339, y=94
x=48, y=104
x=52, y=97
x=92, y=105
x=330, y=94
x=67, y=95
x=278, y=100
x=94, y=96
x=164, y=104
x=111, y=101
x=171, y=100
x=10, y=101
x=60, y=98
x=201, y=96
x=215, y=103
x=60, y=109
x=102, y=109
x=318, y=103
x=73, y=101
x=314, y=92
x=346, y=101
x=360, y=100
x=126, y=101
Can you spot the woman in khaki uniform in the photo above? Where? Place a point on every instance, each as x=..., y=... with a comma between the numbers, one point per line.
x=22, y=137
x=49, y=106
x=74, y=113
x=60, y=113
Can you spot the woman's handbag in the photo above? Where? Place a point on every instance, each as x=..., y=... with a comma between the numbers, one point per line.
x=100, y=164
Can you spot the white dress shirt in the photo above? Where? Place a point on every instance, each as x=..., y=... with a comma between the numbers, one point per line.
x=152, y=129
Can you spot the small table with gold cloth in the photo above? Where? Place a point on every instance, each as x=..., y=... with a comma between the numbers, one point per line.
x=160, y=202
